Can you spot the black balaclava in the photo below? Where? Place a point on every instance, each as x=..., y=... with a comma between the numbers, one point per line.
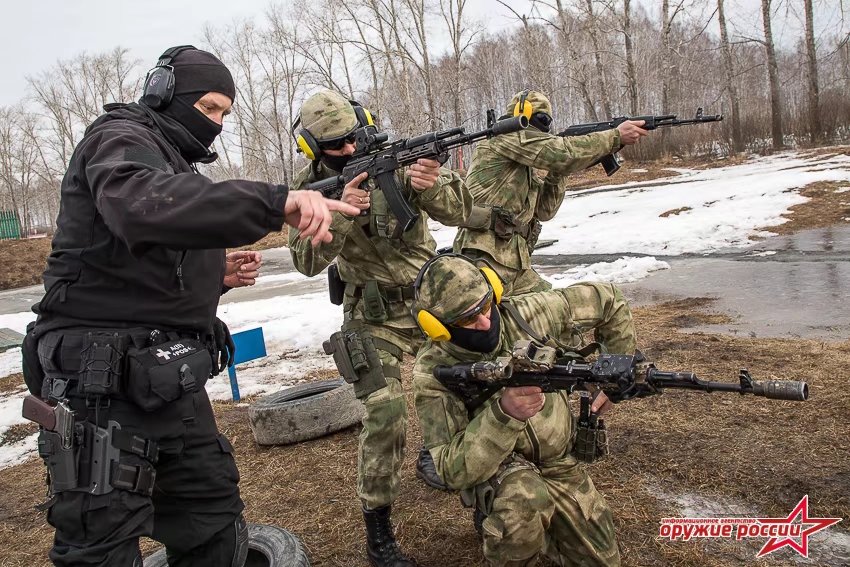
x=479, y=341
x=197, y=73
x=336, y=163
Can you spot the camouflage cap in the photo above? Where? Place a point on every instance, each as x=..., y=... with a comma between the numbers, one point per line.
x=539, y=102
x=328, y=115
x=450, y=286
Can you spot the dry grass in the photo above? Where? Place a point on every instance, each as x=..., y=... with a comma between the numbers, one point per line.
x=763, y=454
x=23, y=261
x=825, y=207
x=11, y=383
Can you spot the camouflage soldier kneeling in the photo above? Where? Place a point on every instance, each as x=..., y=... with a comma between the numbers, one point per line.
x=511, y=455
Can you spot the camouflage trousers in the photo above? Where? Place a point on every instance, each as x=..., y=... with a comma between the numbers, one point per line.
x=382, y=439
x=515, y=282
x=554, y=510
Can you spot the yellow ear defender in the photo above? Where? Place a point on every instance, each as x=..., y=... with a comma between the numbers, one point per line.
x=430, y=325
x=309, y=146
x=523, y=107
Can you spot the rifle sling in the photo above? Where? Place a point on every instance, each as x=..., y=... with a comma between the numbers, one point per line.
x=523, y=324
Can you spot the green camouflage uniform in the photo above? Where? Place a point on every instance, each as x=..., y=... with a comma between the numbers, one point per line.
x=365, y=252
x=501, y=176
x=537, y=498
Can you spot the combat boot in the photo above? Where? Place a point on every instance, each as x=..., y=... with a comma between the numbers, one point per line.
x=381, y=546
x=427, y=471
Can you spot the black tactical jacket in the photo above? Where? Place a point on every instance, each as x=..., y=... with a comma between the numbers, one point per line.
x=141, y=235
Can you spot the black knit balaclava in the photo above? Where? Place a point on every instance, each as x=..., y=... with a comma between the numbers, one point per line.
x=197, y=73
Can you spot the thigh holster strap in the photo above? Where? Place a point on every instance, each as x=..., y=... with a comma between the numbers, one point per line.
x=133, y=478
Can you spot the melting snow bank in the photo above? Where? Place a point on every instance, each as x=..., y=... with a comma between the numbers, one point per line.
x=625, y=270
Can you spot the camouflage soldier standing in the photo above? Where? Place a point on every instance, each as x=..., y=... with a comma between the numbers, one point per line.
x=513, y=200
x=511, y=456
x=376, y=271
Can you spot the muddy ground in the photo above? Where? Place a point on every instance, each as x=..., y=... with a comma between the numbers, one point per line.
x=761, y=455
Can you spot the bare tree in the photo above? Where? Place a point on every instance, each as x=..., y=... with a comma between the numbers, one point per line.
x=631, y=75
x=773, y=78
x=729, y=72
x=812, y=74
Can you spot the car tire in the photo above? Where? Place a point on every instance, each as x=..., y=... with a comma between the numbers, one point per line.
x=268, y=546
x=303, y=412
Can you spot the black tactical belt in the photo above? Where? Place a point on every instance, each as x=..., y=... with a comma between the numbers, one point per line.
x=391, y=294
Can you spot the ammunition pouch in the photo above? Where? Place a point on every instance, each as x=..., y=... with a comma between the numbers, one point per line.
x=30, y=364
x=504, y=224
x=101, y=363
x=591, y=436
x=374, y=307
x=162, y=373
x=533, y=234
x=336, y=287
x=357, y=360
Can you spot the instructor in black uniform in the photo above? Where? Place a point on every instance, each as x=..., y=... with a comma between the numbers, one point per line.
x=126, y=334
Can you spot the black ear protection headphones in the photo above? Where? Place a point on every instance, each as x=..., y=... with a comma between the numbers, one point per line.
x=159, y=82
x=311, y=147
x=540, y=120
x=435, y=329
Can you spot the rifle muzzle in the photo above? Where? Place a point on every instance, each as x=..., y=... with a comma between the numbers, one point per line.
x=793, y=390
x=508, y=125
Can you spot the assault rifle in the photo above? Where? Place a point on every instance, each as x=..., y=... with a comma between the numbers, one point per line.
x=380, y=158
x=611, y=163
x=621, y=377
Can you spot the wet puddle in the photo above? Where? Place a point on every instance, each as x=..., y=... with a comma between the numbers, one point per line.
x=787, y=286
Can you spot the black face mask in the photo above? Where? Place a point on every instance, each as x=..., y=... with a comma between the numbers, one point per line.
x=199, y=126
x=479, y=341
x=336, y=163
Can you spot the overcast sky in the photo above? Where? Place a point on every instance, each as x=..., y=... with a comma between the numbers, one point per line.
x=34, y=34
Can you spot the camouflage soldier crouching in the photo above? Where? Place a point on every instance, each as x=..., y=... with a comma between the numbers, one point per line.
x=511, y=455
x=373, y=278
x=511, y=200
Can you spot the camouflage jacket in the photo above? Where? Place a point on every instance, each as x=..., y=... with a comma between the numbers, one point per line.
x=501, y=175
x=468, y=449
x=363, y=245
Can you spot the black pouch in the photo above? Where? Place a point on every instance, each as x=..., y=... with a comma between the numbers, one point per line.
x=374, y=305
x=160, y=374
x=336, y=287
x=101, y=363
x=31, y=365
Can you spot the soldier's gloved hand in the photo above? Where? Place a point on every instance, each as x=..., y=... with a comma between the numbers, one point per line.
x=224, y=345
x=523, y=402
x=424, y=173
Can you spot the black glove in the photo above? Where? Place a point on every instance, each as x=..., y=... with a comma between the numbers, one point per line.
x=225, y=348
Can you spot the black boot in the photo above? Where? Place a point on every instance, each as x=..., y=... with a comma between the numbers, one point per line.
x=427, y=471
x=381, y=547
